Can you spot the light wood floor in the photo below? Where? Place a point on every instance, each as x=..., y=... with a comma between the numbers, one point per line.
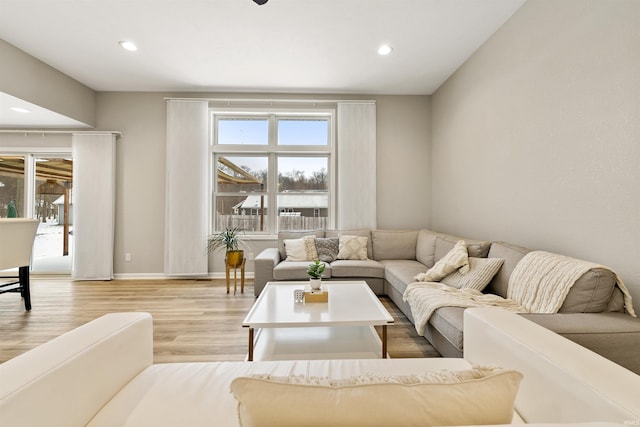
x=194, y=320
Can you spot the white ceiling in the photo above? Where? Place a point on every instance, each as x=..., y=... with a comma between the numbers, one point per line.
x=307, y=46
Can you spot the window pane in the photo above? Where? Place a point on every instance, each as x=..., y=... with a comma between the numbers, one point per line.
x=11, y=187
x=303, y=132
x=246, y=212
x=242, y=174
x=245, y=131
x=307, y=211
x=302, y=174
x=52, y=206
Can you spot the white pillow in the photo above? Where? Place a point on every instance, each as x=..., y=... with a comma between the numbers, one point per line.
x=456, y=259
x=303, y=249
x=352, y=247
x=481, y=271
x=477, y=396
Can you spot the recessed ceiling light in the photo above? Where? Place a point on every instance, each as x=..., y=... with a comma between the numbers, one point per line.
x=128, y=45
x=385, y=49
x=20, y=110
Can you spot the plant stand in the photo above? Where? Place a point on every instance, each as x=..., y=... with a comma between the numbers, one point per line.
x=235, y=275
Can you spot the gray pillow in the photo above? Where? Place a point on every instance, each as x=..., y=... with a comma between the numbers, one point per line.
x=327, y=248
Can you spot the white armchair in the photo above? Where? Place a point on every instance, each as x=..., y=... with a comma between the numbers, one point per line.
x=17, y=236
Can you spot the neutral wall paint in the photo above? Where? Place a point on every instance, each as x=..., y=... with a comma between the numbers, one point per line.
x=34, y=81
x=402, y=164
x=536, y=139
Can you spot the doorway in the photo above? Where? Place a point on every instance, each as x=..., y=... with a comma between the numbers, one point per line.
x=41, y=185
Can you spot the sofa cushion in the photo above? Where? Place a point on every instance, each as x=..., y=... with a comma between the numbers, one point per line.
x=357, y=268
x=295, y=235
x=197, y=394
x=400, y=272
x=456, y=259
x=612, y=335
x=481, y=271
x=303, y=249
x=363, y=232
x=394, y=244
x=475, y=248
x=296, y=270
x=590, y=293
x=327, y=248
x=426, y=247
x=479, y=396
x=448, y=321
x=511, y=254
x=616, y=302
x=352, y=247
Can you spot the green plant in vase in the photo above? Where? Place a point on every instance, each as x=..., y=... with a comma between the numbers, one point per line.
x=229, y=239
x=315, y=271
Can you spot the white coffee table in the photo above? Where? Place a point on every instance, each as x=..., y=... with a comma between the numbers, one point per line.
x=343, y=328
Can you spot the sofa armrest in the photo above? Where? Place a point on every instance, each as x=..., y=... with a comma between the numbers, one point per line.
x=264, y=264
x=563, y=381
x=71, y=377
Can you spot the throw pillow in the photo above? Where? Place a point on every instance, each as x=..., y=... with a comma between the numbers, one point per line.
x=456, y=259
x=303, y=249
x=481, y=271
x=472, y=397
x=352, y=247
x=327, y=248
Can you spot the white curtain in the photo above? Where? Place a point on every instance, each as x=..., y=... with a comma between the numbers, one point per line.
x=94, y=192
x=186, y=198
x=356, y=198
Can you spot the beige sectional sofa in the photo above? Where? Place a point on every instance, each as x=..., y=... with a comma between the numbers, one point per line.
x=102, y=374
x=592, y=314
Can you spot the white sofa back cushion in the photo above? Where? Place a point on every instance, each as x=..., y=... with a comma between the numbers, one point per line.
x=47, y=386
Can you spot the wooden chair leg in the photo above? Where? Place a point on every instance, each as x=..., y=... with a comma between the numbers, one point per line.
x=242, y=276
x=23, y=274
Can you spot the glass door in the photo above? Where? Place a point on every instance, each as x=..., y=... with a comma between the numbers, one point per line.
x=12, y=186
x=39, y=186
x=53, y=208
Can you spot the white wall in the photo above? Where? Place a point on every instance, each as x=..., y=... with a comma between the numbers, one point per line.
x=402, y=153
x=536, y=139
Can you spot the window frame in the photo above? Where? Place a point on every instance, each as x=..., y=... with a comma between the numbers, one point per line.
x=272, y=150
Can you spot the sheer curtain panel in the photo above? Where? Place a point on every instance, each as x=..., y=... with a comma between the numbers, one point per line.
x=186, y=198
x=356, y=198
x=94, y=193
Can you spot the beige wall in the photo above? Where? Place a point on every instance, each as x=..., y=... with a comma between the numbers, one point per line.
x=36, y=82
x=403, y=170
x=536, y=139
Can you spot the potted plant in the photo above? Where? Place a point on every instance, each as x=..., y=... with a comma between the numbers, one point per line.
x=229, y=240
x=315, y=271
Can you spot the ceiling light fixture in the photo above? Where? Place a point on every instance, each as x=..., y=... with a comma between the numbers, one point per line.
x=260, y=2
x=127, y=45
x=385, y=49
x=19, y=110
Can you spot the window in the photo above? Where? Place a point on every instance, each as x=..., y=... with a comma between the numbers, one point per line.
x=12, y=186
x=273, y=170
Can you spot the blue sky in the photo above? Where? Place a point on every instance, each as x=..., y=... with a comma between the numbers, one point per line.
x=290, y=132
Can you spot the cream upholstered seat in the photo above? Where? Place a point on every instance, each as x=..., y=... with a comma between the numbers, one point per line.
x=17, y=236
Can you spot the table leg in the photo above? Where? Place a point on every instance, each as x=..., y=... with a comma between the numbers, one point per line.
x=227, y=274
x=244, y=260
x=250, y=345
x=384, y=341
